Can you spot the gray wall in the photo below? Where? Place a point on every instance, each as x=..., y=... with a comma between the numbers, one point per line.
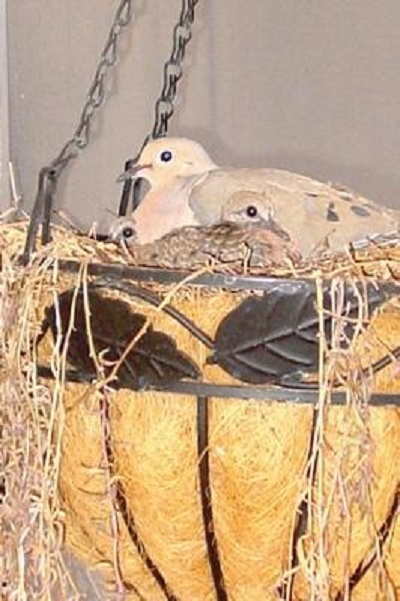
x=4, y=134
x=309, y=85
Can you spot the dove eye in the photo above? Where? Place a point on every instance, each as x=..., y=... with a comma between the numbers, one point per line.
x=166, y=156
x=251, y=211
x=128, y=232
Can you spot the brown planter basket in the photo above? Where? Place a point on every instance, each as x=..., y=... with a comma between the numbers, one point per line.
x=206, y=485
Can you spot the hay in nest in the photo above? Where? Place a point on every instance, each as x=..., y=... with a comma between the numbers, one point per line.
x=72, y=449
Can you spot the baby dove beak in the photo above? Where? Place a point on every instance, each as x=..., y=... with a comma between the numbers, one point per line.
x=131, y=173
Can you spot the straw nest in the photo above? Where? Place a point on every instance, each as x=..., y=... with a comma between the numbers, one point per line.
x=62, y=484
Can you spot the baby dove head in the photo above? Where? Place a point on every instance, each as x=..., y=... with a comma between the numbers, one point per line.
x=247, y=207
x=123, y=230
x=253, y=209
x=165, y=159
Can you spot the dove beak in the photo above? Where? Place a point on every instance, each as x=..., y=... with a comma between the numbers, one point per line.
x=132, y=173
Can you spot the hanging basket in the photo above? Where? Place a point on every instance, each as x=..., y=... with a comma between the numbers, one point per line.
x=229, y=458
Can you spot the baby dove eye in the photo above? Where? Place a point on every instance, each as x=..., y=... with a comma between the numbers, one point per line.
x=251, y=211
x=128, y=232
x=166, y=156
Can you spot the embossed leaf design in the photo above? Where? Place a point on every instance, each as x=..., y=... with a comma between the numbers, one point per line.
x=154, y=360
x=267, y=338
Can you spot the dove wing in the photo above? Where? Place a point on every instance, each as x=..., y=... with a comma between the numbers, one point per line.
x=309, y=210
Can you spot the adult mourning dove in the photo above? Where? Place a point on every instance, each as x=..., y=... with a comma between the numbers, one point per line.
x=187, y=188
x=194, y=246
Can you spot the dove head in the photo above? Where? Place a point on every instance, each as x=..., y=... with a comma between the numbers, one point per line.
x=253, y=209
x=247, y=207
x=123, y=230
x=165, y=160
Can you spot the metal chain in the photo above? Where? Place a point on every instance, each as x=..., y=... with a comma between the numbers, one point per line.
x=165, y=104
x=182, y=35
x=96, y=94
x=49, y=175
x=164, y=110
